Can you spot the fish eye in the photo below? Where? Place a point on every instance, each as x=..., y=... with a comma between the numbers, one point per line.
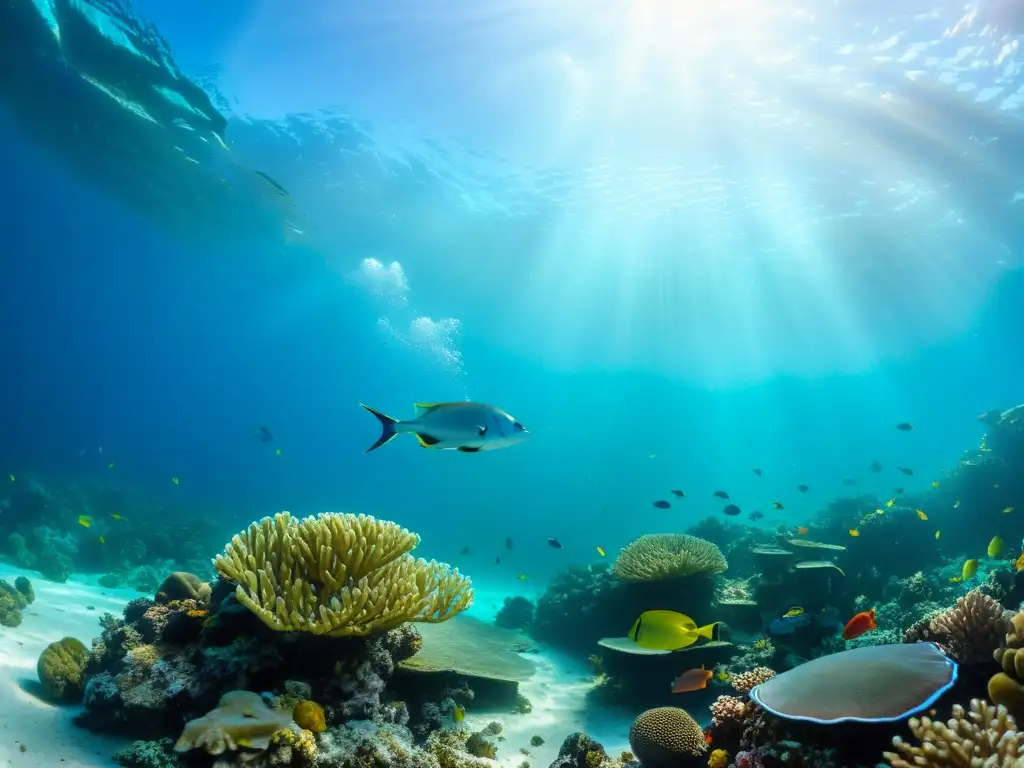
x=518, y=427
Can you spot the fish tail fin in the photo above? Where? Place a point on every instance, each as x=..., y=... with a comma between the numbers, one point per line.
x=387, y=425
x=709, y=631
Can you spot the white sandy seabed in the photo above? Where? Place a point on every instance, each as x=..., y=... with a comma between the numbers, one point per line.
x=36, y=734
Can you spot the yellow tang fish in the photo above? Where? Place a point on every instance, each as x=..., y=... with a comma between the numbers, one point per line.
x=879, y=511
x=854, y=532
x=459, y=713
x=103, y=540
x=522, y=577
x=1019, y=562
x=793, y=612
x=937, y=535
x=1008, y=510
x=955, y=580
x=600, y=551
x=936, y=483
x=84, y=520
x=921, y=515
x=669, y=631
x=995, y=546
x=890, y=502
x=970, y=568
x=116, y=516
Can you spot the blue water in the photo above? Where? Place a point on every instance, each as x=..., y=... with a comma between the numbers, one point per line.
x=682, y=295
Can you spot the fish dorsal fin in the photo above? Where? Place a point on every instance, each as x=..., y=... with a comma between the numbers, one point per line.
x=424, y=408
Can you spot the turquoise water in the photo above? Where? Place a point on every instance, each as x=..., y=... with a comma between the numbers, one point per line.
x=675, y=251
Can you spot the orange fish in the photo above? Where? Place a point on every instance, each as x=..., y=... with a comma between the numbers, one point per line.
x=859, y=624
x=802, y=530
x=692, y=680
x=707, y=735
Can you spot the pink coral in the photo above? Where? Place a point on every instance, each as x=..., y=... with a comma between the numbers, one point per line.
x=743, y=683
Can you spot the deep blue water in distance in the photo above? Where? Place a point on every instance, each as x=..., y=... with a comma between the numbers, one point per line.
x=168, y=354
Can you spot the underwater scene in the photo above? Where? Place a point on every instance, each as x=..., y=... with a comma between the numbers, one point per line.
x=610, y=384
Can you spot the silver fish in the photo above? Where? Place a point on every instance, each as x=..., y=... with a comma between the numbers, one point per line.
x=466, y=427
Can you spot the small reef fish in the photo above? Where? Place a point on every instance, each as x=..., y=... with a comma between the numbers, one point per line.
x=777, y=505
x=875, y=466
x=956, y=504
x=920, y=514
x=522, y=577
x=879, y=511
x=755, y=515
x=938, y=534
x=796, y=610
x=678, y=493
x=1006, y=511
x=720, y=495
x=554, y=543
x=905, y=470
x=904, y=426
x=898, y=491
x=464, y=427
x=277, y=452
x=970, y=568
x=11, y=478
x=509, y=544
x=459, y=713
x=102, y=540
x=859, y=624
x=995, y=546
x=854, y=532
x=803, y=530
x=115, y=516
x=890, y=503
x=497, y=560
x=936, y=483
x=464, y=551
x=803, y=488
x=722, y=676
x=731, y=510
x=1018, y=564
x=263, y=435
x=110, y=465
x=669, y=631
x=600, y=551
x=757, y=472
x=85, y=521
x=660, y=504
x=692, y=680
x=176, y=480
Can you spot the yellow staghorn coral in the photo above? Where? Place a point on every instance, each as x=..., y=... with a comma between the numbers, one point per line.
x=339, y=574
x=658, y=556
x=983, y=736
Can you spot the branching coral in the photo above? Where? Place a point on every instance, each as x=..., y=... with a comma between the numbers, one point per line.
x=745, y=682
x=658, y=556
x=970, y=630
x=339, y=575
x=983, y=736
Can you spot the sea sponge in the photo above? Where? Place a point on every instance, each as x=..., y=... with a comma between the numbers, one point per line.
x=743, y=683
x=310, y=716
x=60, y=668
x=339, y=575
x=970, y=630
x=241, y=721
x=658, y=556
x=667, y=736
x=719, y=758
x=984, y=735
x=1005, y=688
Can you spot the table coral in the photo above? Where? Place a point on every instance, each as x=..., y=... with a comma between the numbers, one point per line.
x=339, y=575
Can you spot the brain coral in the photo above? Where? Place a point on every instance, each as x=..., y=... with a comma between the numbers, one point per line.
x=658, y=556
x=339, y=574
x=60, y=669
x=667, y=736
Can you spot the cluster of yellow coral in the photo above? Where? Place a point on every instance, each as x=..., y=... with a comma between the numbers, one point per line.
x=339, y=574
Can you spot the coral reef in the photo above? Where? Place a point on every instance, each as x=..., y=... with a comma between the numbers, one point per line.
x=60, y=668
x=746, y=681
x=339, y=575
x=241, y=721
x=667, y=736
x=658, y=556
x=969, y=631
x=1006, y=688
x=983, y=735
x=515, y=613
x=13, y=599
